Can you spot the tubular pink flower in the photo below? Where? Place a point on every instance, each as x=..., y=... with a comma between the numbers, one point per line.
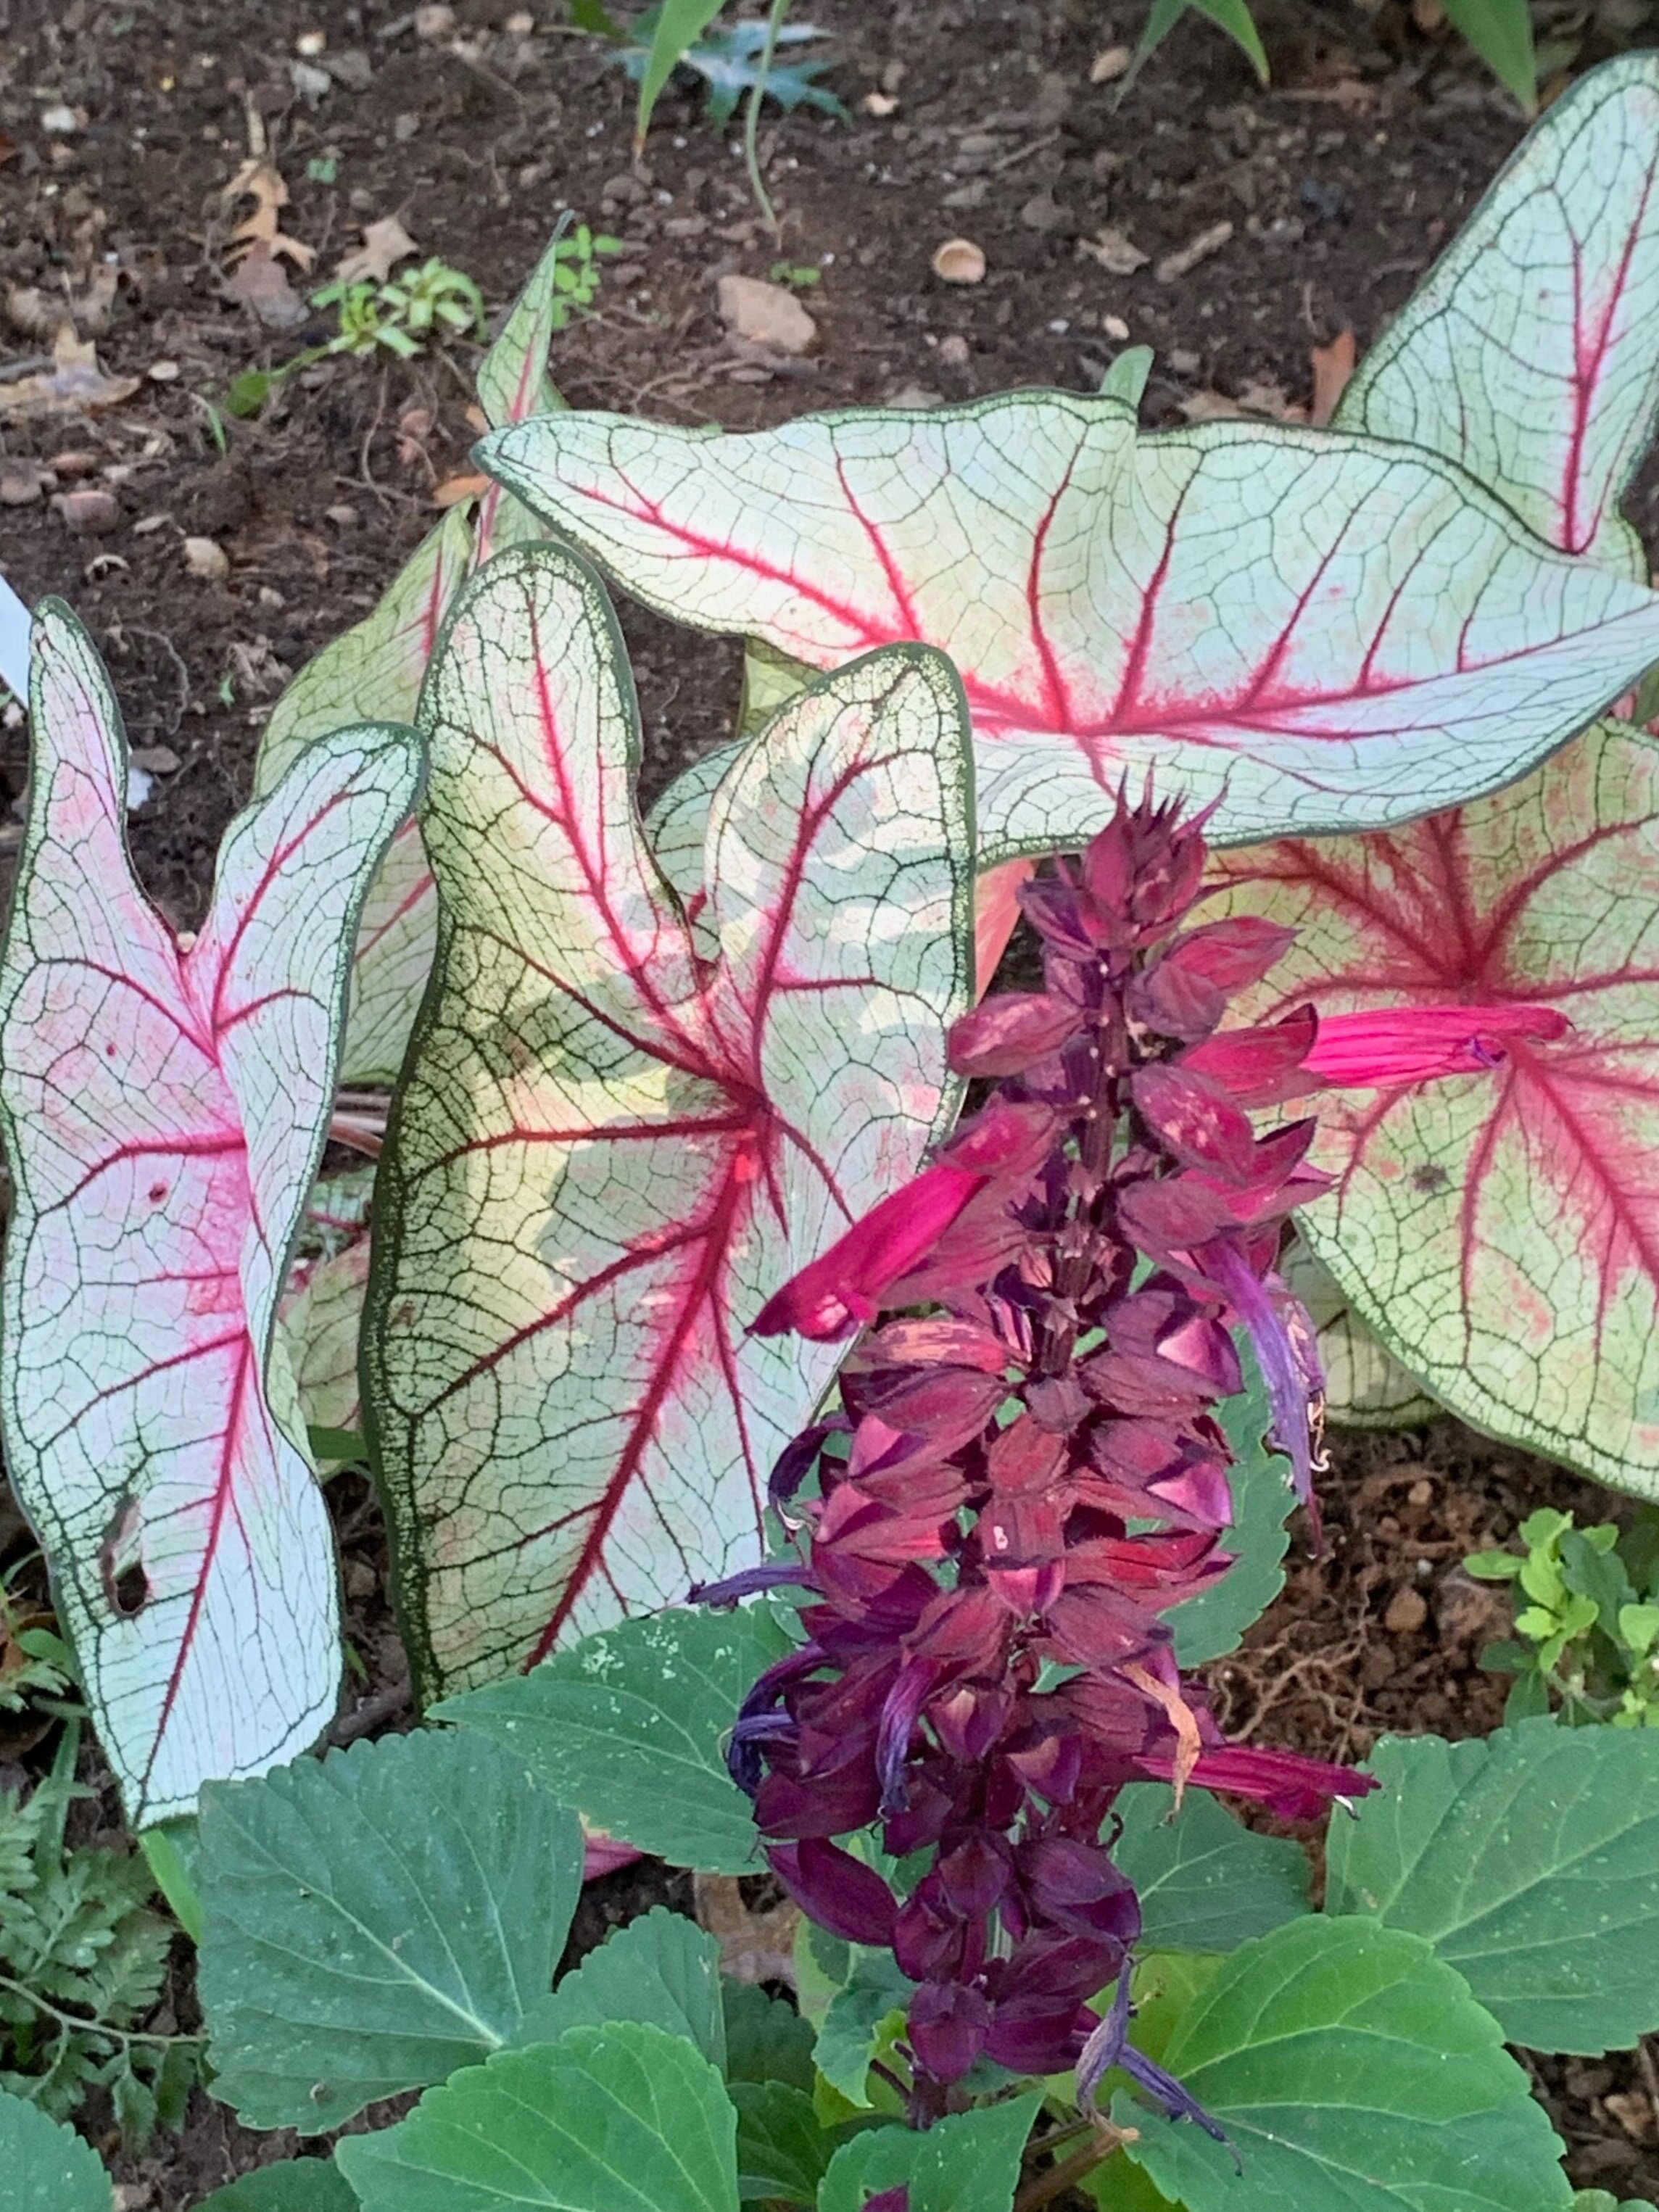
x=841, y=1289
x=1391, y=1046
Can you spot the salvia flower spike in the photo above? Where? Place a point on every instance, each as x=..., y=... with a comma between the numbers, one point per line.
x=1030, y=1474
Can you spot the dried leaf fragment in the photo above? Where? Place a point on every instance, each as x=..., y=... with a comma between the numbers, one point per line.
x=259, y=181
x=1115, y=251
x=1174, y=266
x=385, y=244
x=1111, y=64
x=74, y=383
x=1332, y=365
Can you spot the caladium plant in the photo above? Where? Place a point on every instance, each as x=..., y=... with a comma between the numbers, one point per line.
x=1320, y=631
x=1527, y=354
x=374, y=673
x=164, y=1101
x=615, y=1136
x=1499, y=1230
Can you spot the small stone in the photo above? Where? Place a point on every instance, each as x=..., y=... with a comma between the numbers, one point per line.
x=1042, y=211
x=624, y=190
x=879, y=104
x=77, y=462
x=310, y=44
x=148, y=525
x=434, y=21
x=1408, y=1611
x=520, y=24
x=766, y=315
x=360, y=1578
x=1421, y=1492
x=1111, y=64
x=404, y=127
x=206, y=558
x=20, y=486
x=1113, y=326
x=954, y=351
x=310, y=83
x=163, y=372
x=1184, y=361
x=89, y=512
x=959, y=261
x=156, y=760
x=60, y=122
x=913, y=398
x=1634, y=2113
x=270, y=597
x=342, y=516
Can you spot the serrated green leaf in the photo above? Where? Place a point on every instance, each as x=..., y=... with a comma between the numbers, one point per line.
x=47, y=2167
x=1215, y=1620
x=875, y=1997
x=375, y=1920
x=1353, y=2072
x=661, y=1968
x=1530, y=1861
x=1205, y=1881
x=630, y=1728
x=1498, y=1230
x=606, y=1155
x=165, y=1106
x=293, y=2184
x=765, y=2039
x=1526, y=354
x=1378, y=636
x=623, y=2118
x=783, y=2150
x=967, y=2163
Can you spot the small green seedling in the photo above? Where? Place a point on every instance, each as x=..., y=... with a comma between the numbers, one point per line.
x=404, y=314
x=801, y=275
x=1587, y=1619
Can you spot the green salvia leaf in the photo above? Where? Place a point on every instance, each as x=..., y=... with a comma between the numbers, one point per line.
x=1352, y=2071
x=765, y=2039
x=874, y=1999
x=661, y=1968
x=1214, y=1621
x=1205, y=1881
x=293, y=2184
x=783, y=2149
x=376, y=1919
x=1530, y=1861
x=47, y=2168
x=631, y=1727
x=967, y=2163
x=620, y=2119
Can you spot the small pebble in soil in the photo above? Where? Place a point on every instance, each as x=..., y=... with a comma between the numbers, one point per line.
x=1408, y=1611
x=1325, y=201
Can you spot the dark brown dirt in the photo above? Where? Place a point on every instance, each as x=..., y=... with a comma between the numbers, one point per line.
x=1340, y=183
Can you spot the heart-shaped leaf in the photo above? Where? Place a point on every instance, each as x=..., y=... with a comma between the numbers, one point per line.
x=608, y=1153
x=373, y=673
x=1320, y=632
x=1527, y=353
x=164, y=1111
x=1499, y=1231
x=620, y=2119
x=375, y=1920
x=1530, y=1861
x=1351, y=2071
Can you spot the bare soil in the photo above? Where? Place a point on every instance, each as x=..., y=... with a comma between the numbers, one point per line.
x=1340, y=182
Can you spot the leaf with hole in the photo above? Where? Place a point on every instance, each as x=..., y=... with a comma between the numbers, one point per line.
x=1498, y=1231
x=1320, y=632
x=1530, y=1861
x=620, y=2119
x=164, y=1109
x=608, y=1152
x=1527, y=353
x=375, y=1920
x=1351, y=2071
x=630, y=1728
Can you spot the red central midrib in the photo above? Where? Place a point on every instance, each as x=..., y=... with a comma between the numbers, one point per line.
x=710, y=1267
x=1587, y=374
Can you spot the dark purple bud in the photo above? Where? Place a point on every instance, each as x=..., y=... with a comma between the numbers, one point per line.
x=797, y=1459
x=836, y=1890
x=889, y=2200
x=948, y=2027
x=1109, y=2045
x=1057, y=1404
x=917, y=1678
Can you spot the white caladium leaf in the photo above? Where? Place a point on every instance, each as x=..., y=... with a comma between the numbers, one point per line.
x=321, y=1321
x=1498, y=1230
x=373, y=673
x=1528, y=352
x=610, y=1150
x=1320, y=632
x=1365, y=1386
x=164, y=1107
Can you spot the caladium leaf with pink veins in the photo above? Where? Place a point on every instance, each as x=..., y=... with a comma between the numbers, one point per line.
x=374, y=673
x=1320, y=632
x=1528, y=352
x=321, y=1320
x=164, y=1107
x=1499, y=1230
x=611, y=1148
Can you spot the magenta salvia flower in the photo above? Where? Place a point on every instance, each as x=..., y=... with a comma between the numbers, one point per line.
x=1029, y=1473
x=1397, y=1045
